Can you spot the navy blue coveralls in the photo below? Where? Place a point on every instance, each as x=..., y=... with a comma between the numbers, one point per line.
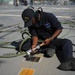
x=45, y=29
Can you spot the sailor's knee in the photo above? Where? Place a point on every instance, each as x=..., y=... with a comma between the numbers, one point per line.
x=67, y=41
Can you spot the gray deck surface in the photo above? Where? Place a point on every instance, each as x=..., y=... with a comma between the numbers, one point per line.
x=11, y=15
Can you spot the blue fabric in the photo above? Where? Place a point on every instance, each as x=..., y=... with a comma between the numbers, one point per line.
x=46, y=27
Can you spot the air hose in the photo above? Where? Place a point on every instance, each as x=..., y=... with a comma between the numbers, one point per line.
x=71, y=24
x=2, y=44
x=14, y=54
x=10, y=26
x=21, y=44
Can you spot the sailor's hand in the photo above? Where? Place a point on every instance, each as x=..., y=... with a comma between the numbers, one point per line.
x=32, y=48
x=35, y=51
x=47, y=41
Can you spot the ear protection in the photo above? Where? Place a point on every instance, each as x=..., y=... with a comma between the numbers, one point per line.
x=30, y=7
x=23, y=13
x=37, y=12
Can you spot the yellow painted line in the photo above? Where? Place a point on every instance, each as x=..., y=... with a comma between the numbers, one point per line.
x=26, y=71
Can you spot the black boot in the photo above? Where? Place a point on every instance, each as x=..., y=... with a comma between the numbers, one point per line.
x=65, y=66
x=68, y=65
x=73, y=64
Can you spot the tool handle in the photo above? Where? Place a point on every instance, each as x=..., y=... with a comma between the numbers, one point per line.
x=42, y=44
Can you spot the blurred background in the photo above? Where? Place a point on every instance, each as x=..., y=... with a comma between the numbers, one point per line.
x=37, y=2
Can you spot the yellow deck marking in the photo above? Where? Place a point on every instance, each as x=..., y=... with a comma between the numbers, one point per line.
x=26, y=71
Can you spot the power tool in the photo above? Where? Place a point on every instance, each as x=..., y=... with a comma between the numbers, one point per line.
x=28, y=52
